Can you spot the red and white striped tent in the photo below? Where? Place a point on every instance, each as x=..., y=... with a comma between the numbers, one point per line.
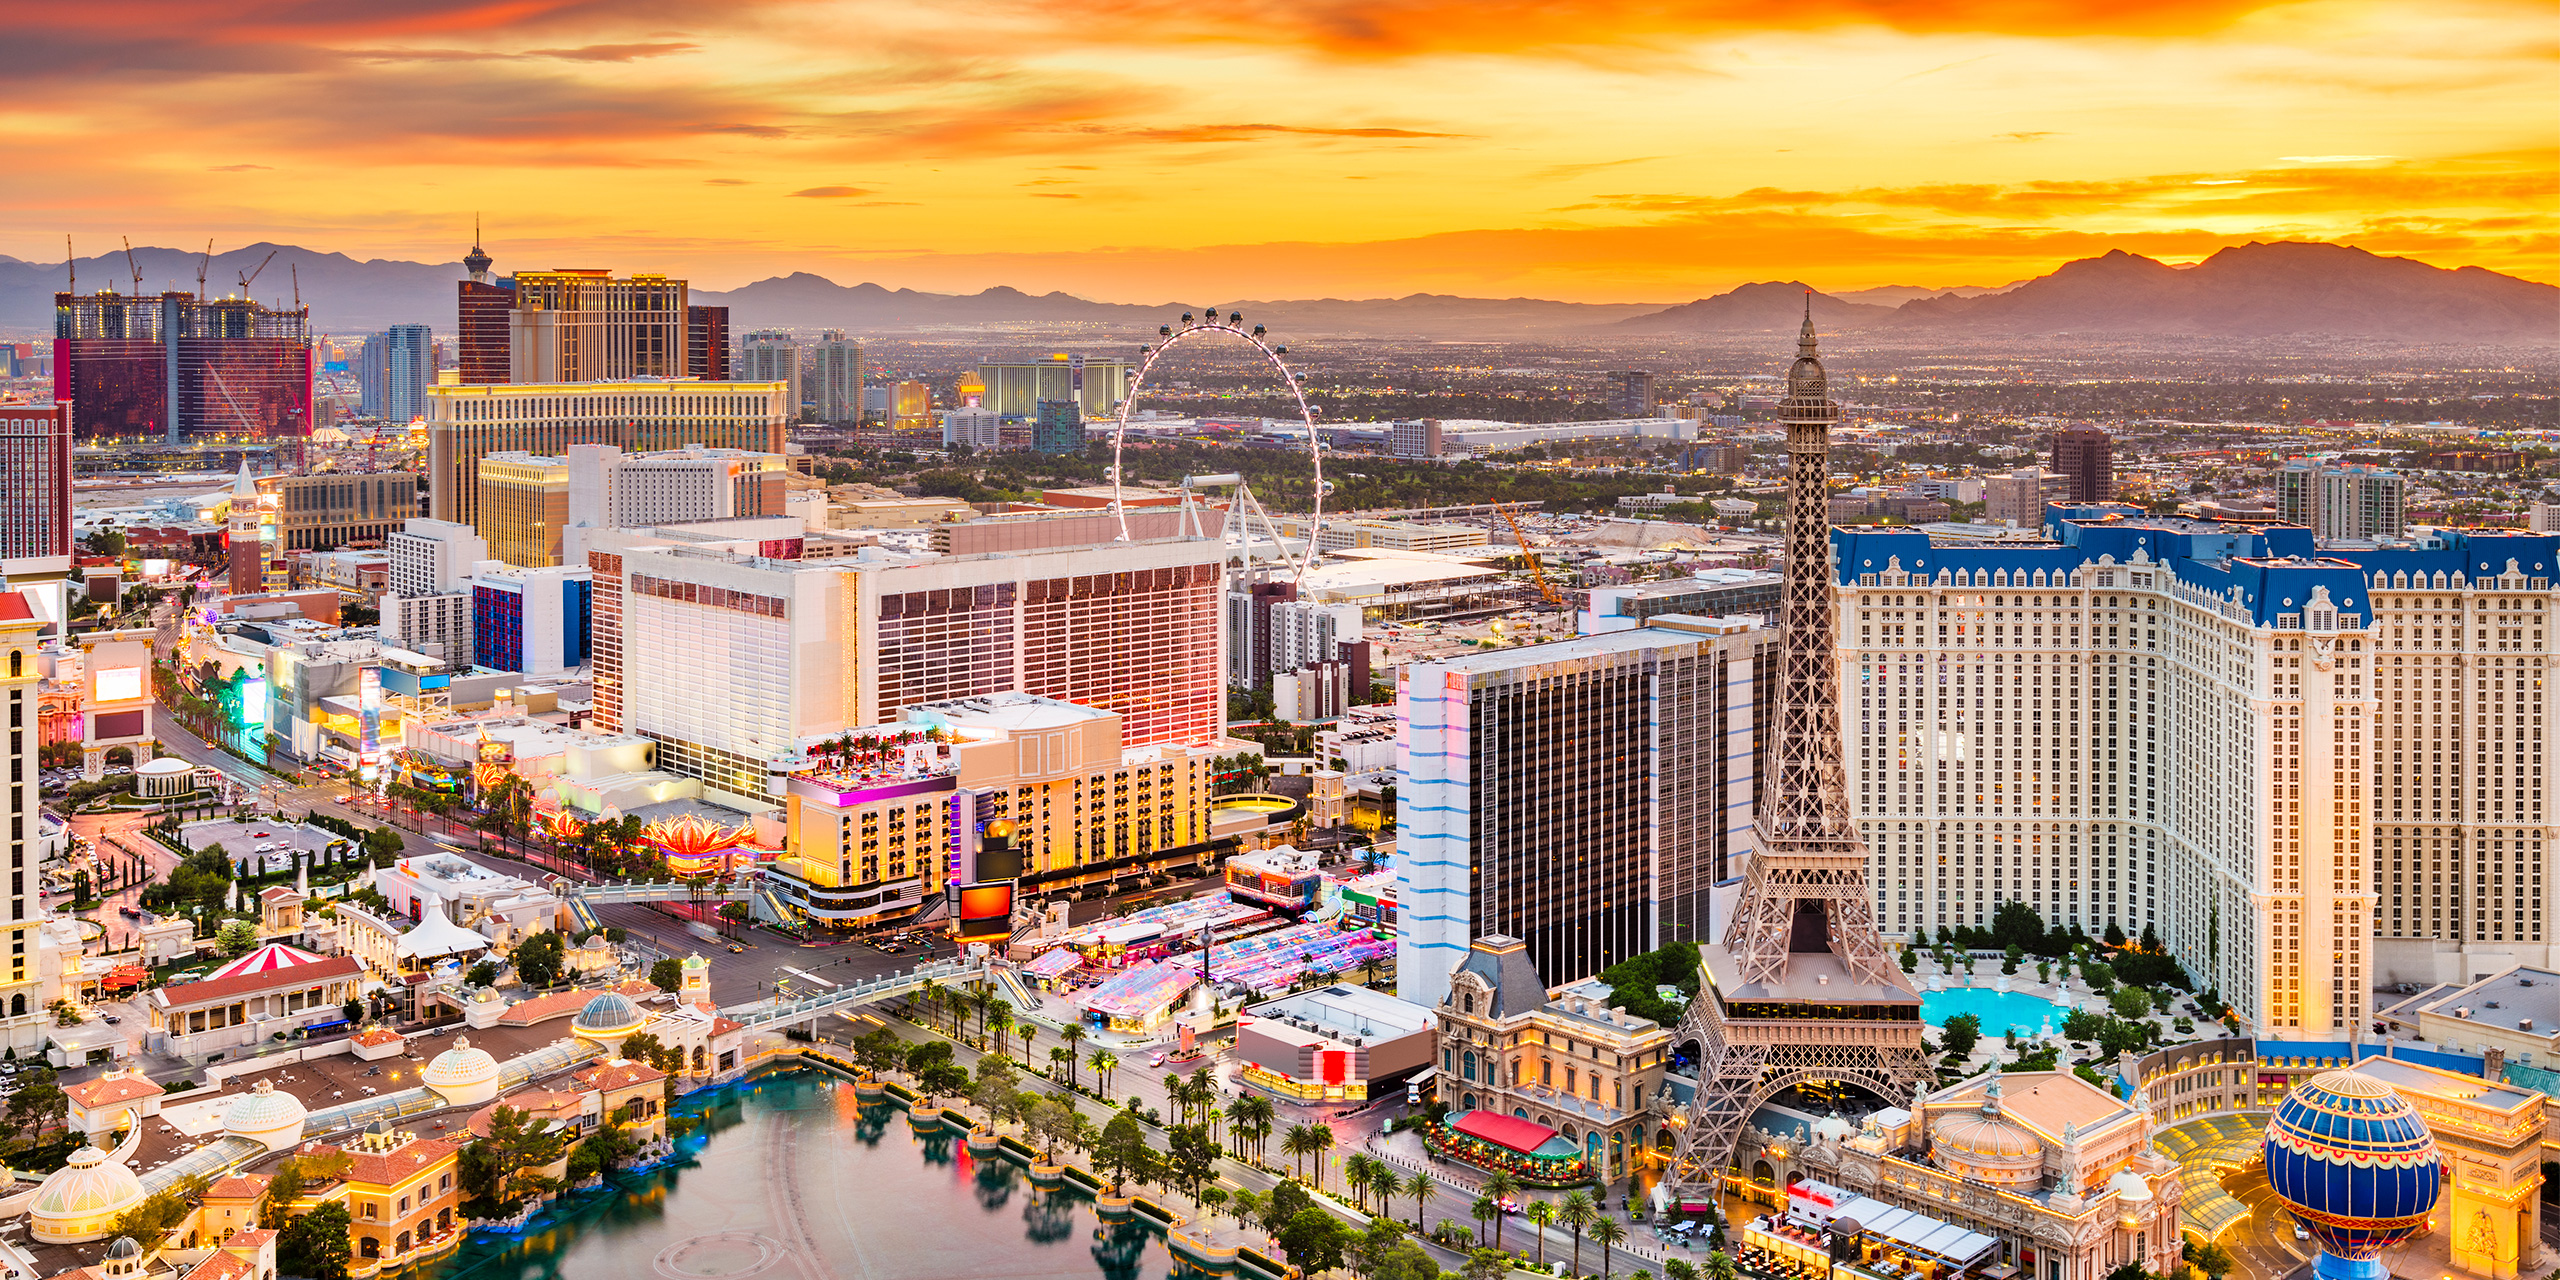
x=271, y=958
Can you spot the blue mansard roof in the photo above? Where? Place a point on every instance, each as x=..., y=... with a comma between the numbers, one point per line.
x=2273, y=569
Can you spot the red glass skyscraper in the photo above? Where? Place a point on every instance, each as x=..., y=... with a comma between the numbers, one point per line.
x=182, y=369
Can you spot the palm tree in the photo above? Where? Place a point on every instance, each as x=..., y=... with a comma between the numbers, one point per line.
x=1484, y=1210
x=929, y=994
x=1102, y=1061
x=983, y=999
x=1323, y=1140
x=1072, y=1034
x=1498, y=1188
x=1720, y=1266
x=1239, y=1123
x=1419, y=1186
x=1295, y=1144
x=1355, y=1173
x=1540, y=1213
x=1000, y=1026
x=1577, y=1213
x=1059, y=1053
x=1608, y=1231
x=1205, y=1089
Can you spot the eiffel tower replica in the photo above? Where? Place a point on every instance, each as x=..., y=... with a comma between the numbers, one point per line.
x=1801, y=990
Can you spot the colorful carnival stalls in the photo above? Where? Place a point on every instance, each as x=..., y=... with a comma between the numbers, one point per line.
x=1139, y=999
x=1275, y=961
x=1155, y=932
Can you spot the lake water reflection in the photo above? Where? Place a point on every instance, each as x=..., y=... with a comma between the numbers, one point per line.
x=791, y=1177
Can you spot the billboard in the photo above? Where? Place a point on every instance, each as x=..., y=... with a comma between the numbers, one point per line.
x=118, y=684
x=986, y=909
x=369, y=724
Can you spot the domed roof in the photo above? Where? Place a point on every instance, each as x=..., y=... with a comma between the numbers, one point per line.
x=1986, y=1134
x=610, y=1013
x=1833, y=1128
x=460, y=1065
x=264, y=1111
x=160, y=766
x=2129, y=1185
x=2355, y=1163
x=123, y=1250
x=90, y=1185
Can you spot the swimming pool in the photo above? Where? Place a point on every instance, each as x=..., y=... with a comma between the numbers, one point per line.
x=2000, y=1011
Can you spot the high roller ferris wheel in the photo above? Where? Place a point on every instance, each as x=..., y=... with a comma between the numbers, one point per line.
x=1189, y=329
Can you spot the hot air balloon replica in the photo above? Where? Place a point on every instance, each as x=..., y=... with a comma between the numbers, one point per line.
x=2358, y=1168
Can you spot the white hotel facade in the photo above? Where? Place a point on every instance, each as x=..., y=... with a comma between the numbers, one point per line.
x=2309, y=773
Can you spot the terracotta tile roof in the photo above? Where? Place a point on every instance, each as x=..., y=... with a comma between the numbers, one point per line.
x=619, y=1074
x=723, y=1026
x=378, y=1035
x=640, y=988
x=106, y=1091
x=546, y=1103
x=272, y=892
x=294, y=978
x=525, y=1013
x=239, y=1186
x=14, y=608
x=249, y=1239
x=222, y=1266
x=390, y=1169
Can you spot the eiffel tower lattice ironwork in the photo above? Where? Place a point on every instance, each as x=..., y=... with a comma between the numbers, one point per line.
x=1801, y=989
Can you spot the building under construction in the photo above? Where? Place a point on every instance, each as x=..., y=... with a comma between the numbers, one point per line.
x=181, y=370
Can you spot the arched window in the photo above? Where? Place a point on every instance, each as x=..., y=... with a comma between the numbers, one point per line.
x=1468, y=1065
x=18, y=1005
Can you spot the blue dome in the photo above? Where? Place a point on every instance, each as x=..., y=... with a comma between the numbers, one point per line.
x=610, y=1013
x=2354, y=1162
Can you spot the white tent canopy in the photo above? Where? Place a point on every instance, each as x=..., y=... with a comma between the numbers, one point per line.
x=437, y=936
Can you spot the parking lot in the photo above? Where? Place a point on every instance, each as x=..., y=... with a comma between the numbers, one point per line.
x=269, y=845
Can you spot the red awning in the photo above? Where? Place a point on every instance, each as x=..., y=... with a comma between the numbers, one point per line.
x=1519, y=1135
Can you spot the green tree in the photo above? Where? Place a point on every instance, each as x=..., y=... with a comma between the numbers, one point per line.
x=1962, y=1031
x=1305, y=1140
x=667, y=974
x=1103, y=1062
x=2101, y=977
x=236, y=938
x=1283, y=1204
x=1191, y=1155
x=539, y=960
x=1122, y=1150
x=1719, y=1266
x=1313, y=1240
x=317, y=1244
x=496, y=1182
x=2213, y=1260
x=2131, y=1002
x=1486, y=1264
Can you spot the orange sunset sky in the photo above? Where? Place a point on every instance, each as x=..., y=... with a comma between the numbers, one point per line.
x=1146, y=150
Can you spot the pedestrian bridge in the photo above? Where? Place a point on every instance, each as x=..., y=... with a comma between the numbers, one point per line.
x=583, y=899
x=766, y=1015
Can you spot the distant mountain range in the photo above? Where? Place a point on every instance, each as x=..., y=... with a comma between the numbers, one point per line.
x=2273, y=290
x=2287, y=289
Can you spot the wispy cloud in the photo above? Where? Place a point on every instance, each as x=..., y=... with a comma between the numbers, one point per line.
x=831, y=193
x=236, y=168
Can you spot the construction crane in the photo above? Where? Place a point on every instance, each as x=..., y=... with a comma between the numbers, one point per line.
x=203, y=265
x=1537, y=572
x=251, y=278
x=137, y=267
